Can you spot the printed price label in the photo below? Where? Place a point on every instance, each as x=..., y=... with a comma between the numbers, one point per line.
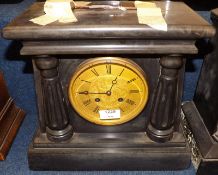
x=109, y=114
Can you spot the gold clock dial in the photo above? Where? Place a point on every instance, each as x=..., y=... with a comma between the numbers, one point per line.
x=108, y=90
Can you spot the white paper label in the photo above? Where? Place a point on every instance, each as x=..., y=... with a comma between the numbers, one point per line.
x=109, y=114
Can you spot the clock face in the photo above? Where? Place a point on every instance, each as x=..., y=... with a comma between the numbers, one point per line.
x=108, y=90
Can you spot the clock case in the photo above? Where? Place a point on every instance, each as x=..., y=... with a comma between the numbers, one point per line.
x=86, y=146
x=201, y=114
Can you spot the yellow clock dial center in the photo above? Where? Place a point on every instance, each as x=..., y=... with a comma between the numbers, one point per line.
x=111, y=86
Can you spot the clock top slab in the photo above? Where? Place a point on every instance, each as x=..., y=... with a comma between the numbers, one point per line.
x=182, y=21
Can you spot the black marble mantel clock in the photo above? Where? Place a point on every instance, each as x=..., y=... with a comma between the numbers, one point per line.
x=108, y=88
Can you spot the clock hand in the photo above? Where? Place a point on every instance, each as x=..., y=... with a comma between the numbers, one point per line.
x=113, y=83
x=86, y=92
x=107, y=93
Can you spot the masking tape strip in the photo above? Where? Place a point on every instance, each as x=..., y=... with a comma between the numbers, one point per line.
x=44, y=20
x=151, y=15
x=58, y=10
x=141, y=4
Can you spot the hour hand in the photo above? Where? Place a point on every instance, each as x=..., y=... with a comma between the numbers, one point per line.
x=83, y=92
x=87, y=92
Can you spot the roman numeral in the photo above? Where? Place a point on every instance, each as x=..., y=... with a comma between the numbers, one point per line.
x=96, y=109
x=133, y=91
x=130, y=81
x=95, y=72
x=87, y=102
x=130, y=102
x=108, y=68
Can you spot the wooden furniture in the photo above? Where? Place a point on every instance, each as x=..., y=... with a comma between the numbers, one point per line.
x=10, y=119
x=154, y=139
x=202, y=113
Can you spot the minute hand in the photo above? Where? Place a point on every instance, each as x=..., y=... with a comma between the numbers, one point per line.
x=113, y=83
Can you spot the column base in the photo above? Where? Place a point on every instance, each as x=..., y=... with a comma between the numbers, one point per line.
x=60, y=135
x=159, y=135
